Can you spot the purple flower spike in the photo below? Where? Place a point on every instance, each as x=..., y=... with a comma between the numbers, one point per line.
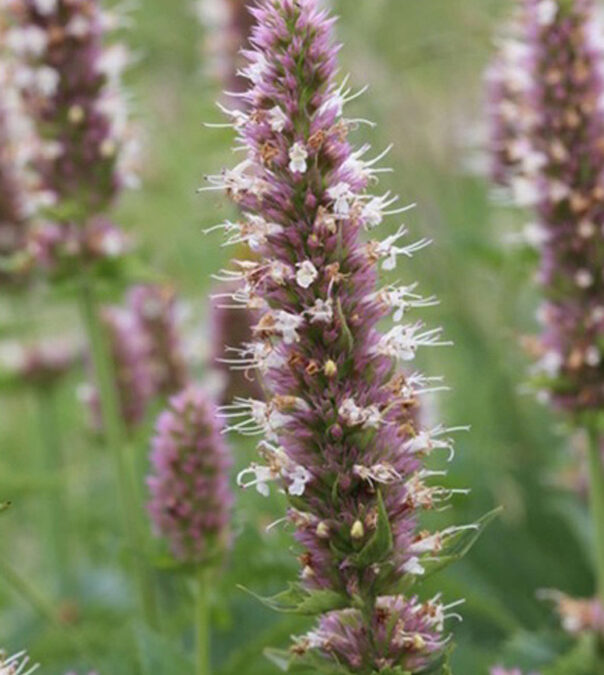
x=228, y=24
x=134, y=377
x=190, y=496
x=20, y=193
x=71, y=83
x=156, y=311
x=342, y=438
x=510, y=118
x=559, y=169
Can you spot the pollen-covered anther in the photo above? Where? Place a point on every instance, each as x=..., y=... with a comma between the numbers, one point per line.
x=330, y=369
x=357, y=531
x=322, y=530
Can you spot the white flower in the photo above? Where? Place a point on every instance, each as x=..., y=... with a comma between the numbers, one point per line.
x=558, y=192
x=253, y=231
x=299, y=477
x=262, y=476
x=113, y=61
x=586, y=229
x=428, y=440
x=321, y=311
x=350, y=412
x=388, y=250
x=593, y=356
x=584, y=279
x=279, y=272
x=256, y=71
x=287, y=324
x=547, y=11
x=45, y=7
x=29, y=40
x=112, y=244
x=78, y=27
x=524, y=191
x=353, y=415
x=402, y=298
x=277, y=119
x=298, y=156
x=375, y=210
x=402, y=342
x=431, y=544
x=47, y=80
x=413, y=566
x=342, y=196
x=306, y=274
x=550, y=363
x=380, y=473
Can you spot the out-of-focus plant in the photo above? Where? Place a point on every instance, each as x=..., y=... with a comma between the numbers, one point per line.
x=547, y=113
x=190, y=498
x=70, y=83
x=339, y=438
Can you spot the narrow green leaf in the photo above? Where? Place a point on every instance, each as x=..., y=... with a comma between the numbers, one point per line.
x=459, y=545
x=381, y=542
x=298, y=600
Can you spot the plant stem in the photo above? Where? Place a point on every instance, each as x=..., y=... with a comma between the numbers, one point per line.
x=596, y=477
x=202, y=624
x=38, y=602
x=115, y=438
x=57, y=511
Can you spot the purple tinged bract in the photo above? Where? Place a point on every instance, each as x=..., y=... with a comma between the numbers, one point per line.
x=190, y=497
x=342, y=438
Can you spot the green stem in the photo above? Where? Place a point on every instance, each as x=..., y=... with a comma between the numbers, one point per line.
x=57, y=512
x=38, y=602
x=115, y=438
x=202, y=624
x=596, y=478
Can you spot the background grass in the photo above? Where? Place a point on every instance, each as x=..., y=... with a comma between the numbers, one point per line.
x=425, y=61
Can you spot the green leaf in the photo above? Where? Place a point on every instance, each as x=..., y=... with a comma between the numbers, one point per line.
x=308, y=663
x=298, y=600
x=459, y=545
x=440, y=666
x=380, y=544
x=581, y=660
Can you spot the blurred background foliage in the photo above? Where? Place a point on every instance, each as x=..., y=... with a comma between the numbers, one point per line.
x=424, y=60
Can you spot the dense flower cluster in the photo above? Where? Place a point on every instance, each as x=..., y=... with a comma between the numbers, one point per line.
x=155, y=309
x=59, y=248
x=190, y=497
x=145, y=340
x=227, y=24
x=559, y=165
x=129, y=347
x=510, y=116
x=20, y=191
x=341, y=436
x=17, y=664
x=69, y=82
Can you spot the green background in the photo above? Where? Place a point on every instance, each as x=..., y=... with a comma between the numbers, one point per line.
x=424, y=61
